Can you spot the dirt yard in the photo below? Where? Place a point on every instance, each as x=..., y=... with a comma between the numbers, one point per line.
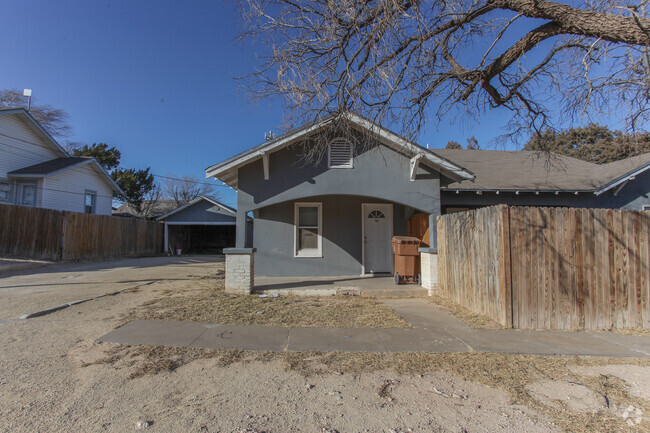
x=54, y=378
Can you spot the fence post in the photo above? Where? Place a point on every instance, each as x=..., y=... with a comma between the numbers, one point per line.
x=63, y=222
x=505, y=265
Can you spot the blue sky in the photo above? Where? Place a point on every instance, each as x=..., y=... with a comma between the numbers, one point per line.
x=156, y=79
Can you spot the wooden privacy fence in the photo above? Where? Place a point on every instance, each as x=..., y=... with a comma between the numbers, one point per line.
x=56, y=235
x=548, y=268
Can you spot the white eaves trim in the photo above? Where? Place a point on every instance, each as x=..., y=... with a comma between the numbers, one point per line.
x=224, y=170
x=195, y=201
x=253, y=154
x=623, y=179
x=390, y=137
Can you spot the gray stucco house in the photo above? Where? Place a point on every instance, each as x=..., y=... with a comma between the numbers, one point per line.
x=336, y=217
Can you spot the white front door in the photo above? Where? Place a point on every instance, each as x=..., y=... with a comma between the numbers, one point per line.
x=377, y=233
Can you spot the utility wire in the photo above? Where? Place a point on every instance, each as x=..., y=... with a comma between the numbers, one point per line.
x=188, y=180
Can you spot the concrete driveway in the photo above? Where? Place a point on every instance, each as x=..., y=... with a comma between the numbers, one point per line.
x=45, y=287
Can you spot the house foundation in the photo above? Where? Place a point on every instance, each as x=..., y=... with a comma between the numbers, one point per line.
x=240, y=270
x=429, y=269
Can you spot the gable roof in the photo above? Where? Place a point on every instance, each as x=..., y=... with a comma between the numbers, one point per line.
x=35, y=126
x=228, y=209
x=48, y=168
x=226, y=170
x=532, y=171
x=617, y=172
x=59, y=165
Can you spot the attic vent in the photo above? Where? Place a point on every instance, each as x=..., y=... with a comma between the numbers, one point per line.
x=340, y=153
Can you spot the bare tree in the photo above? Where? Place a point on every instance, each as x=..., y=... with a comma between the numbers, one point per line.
x=186, y=188
x=151, y=201
x=401, y=62
x=54, y=120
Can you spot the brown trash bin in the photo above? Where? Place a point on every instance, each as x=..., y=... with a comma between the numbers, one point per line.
x=407, y=259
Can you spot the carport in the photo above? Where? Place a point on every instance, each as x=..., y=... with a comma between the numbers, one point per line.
x=202, y=226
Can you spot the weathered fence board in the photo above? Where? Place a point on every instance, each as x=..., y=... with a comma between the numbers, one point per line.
x=55, y=235
x=30, y=232
x=472, y=261
x=549, y=268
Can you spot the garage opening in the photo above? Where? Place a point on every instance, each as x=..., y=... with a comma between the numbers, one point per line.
x=201, y=239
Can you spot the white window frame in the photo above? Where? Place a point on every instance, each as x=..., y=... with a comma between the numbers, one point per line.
x=645, y=207
x=329, y=153
x=7, y=184
x=94, y=194
x=296, y=227
x=20, y=187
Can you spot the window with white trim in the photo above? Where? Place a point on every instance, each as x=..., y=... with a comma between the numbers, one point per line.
x=89, y=201
x=308, y=229
x=340, y=153
x=646, y=207
x=26, y=194
x=5, y=191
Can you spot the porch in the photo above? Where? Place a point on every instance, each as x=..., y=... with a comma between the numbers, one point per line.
x=331, y=244
x=355, y=285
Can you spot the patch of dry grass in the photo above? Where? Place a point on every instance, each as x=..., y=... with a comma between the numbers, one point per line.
x=473, y=320
x=512, y=373
x=149, y=360
x=480, y=321
x=633, y=331
x=206, y=301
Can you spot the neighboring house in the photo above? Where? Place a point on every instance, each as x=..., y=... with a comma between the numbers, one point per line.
x=200, y=226
x=36, y=171
x=523, y=178
x=150, y=209
x=336, y=217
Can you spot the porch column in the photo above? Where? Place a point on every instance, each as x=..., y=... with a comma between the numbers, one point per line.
x=166, y=239
x=429, y=256
x=433, y=231
x=240, y=231
x=240, y=270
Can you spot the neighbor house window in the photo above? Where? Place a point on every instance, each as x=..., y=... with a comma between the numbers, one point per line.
x=5, y=191
x=308, y=226
x=646, y=207
x=26, y=194
x=340, y=153
x=89, y=203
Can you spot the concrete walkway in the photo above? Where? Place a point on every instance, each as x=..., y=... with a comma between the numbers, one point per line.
x=433, y=331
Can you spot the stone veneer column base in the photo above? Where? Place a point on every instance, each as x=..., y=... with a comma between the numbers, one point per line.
x=240, y=270
x=429, y=269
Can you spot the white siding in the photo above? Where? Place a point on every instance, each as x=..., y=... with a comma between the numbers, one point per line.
x=67, y=190
x=20, y=147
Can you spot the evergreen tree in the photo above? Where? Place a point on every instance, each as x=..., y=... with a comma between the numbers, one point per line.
x=593, y=143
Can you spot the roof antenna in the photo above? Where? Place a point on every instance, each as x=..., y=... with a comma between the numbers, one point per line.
x=268, y=136
x=28, y=93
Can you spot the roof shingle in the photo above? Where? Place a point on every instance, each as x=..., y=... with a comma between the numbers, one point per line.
x=49, y=167
x=535, y=171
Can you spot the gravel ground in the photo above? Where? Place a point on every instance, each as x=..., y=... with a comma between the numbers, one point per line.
x=54, y=378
